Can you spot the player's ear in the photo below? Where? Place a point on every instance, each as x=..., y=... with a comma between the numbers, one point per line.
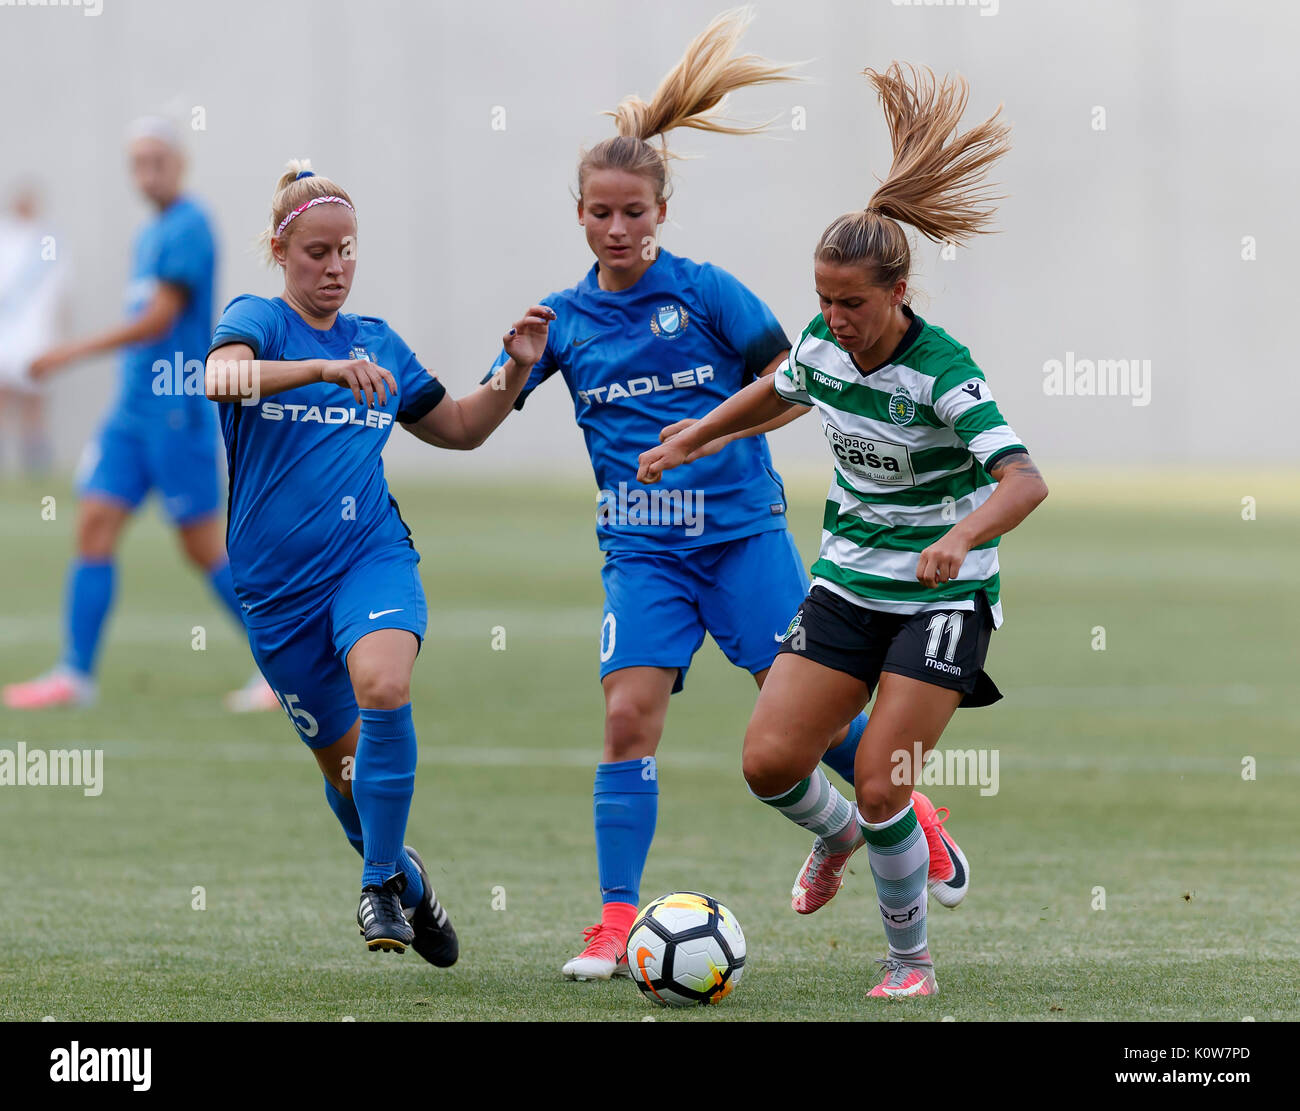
x=277, y=250
x=896, y=296
x=581, y=222
x=663, y=212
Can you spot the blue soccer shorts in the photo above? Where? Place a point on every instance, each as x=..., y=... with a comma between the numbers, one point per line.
x=175, y=455
x=304, y=657
x=659, y=605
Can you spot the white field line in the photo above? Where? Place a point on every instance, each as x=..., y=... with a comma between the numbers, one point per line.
x=489, y=756
x=583, y=622
x=459, y=624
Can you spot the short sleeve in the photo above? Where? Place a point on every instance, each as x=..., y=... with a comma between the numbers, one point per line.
x=254, y=321
x=743, y=319
x=788, y=381
x=418, y=391
x=964, y=402
x=187, y=255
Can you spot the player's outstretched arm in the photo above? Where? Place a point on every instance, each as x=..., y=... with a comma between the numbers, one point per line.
x=462, y=424
x=757, y=404
x=233, y=374
x=153, y=322
x=1020, y=488
x=715, y=446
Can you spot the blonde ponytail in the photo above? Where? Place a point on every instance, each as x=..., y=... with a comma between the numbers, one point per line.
x=935, y=182
x=692, y=95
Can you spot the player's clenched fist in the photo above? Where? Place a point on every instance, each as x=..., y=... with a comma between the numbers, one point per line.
x=941, y=561
x=526, y=340
x=361, y=376
x=652, y=464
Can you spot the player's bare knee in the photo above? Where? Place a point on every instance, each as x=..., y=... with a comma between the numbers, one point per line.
x=768, y=771
x=198, y=555
x=878, y=799
x=199, y=563
x=96, y=533
x=379, y=691
x=203, y=546
x=629, y=733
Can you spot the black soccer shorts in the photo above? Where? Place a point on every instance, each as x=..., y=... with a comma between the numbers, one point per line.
x=945, y=647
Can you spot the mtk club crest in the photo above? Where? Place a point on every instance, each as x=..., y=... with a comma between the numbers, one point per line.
x=669, y=321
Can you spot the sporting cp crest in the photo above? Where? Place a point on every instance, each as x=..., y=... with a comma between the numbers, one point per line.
x=669, y=321
x=901, y=406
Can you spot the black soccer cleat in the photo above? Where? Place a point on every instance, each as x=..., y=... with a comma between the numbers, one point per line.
x=380, y=916
x=435, y=940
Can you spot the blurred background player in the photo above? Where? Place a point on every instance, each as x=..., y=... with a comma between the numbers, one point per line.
x=904, y=600
x=158, y=435
x=644, y=340
x=31, y=284
x=333, y=603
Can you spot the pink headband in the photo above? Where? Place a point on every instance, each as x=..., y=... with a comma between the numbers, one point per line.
x=303, y=208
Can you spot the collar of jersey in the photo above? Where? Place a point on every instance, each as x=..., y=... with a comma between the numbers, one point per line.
x=181, y=203
x=909, y=337
x=643, y=283
x=332, y=332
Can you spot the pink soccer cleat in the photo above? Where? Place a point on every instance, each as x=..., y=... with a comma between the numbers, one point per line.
x=60, y=686
x=949, y=872
x=821, y=876
x=253, y=696
x=905, y=977
x=604, y=957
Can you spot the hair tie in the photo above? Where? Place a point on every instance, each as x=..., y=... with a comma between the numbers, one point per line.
x=304, y=173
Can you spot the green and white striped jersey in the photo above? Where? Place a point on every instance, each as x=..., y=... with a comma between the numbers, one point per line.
x=912, y=441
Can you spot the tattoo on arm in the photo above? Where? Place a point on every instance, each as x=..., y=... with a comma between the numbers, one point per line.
x=1017, y=462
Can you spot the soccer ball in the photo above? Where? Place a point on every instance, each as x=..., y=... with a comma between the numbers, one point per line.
x=685, y=949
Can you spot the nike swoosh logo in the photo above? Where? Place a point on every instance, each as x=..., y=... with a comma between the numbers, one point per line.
x=580, y=342
x=641, y=955
x=381, y=613
x=958, y=872
x=779, y=638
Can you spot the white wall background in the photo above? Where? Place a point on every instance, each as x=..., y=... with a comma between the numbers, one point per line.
x=1122, y=243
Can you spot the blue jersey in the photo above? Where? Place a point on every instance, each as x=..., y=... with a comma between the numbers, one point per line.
x=175, y=247
x=308, y=498
x=683, y=339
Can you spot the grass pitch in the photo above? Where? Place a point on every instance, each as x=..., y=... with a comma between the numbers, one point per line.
x=1127, y=769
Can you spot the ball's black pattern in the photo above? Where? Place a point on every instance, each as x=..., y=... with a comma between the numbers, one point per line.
x=707, y=929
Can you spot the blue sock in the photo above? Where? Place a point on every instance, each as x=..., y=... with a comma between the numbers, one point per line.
x=625, y=804
x=382, y=785
x=223, y=585
x=346, y=812
x=841, y=757
x=89, y=595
